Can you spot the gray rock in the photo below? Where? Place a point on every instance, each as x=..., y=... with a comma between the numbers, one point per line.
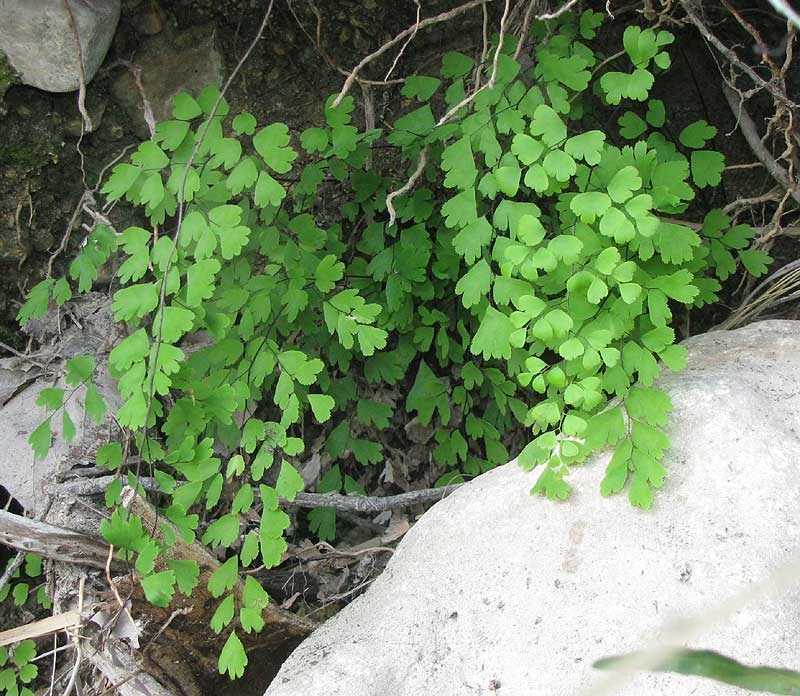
x=86, y=328
x=170, y=63
x=38, y=41
x=494, y=591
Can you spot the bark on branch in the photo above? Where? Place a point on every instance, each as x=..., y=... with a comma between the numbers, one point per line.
x=348, y=503
x=750, y=133
x=51, y=542
x=366, y=504
x=689, y=7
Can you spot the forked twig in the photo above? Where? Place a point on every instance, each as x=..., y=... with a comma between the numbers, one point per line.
x=750, y=134
x=443, y=17
x=423, y=157
x=408, y=41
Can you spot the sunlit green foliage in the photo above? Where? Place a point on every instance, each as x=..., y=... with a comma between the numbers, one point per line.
x=529, y=282
x=720, y=668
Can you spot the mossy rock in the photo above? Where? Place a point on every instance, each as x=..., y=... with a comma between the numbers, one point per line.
x=8, y=75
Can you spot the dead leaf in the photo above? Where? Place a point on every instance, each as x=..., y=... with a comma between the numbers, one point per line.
x=287, y=603
x=398, y=526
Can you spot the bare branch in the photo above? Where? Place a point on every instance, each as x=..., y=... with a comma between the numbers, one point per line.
x=37, y=629
x=478, y=69
x=15, y=563
x=408, y=41
x=95, y=486
x=317, y=43
x=423, y=157
x=526, y=25
x=733, y=59
x=51, y=542
x=748, y=128
x=443, y=17
x=405, y=188
x=367, y=504
x=87, y=122
x=20, y=557
x=561, y=10
x=492, y=80
x=123, y=670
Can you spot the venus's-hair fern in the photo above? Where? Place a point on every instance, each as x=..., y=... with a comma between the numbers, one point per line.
x=529, y=282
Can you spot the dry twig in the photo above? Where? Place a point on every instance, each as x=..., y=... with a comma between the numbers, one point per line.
x=76, y=640
x=526, y=25
x=733, y=59
x=24, y=198
x=405, y=188
x=750, y=134
x=368, y=504
x=38, y=629
x=560, y=11
x=423, y=157
x=466, y=101
x=443, y=17
x=408, y=41
x=16, y=562
x=52, y=542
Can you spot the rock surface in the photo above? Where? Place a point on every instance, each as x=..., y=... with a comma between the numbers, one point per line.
x=170, y=62
x=37, y=38
x=89, y=330
x=497, y=592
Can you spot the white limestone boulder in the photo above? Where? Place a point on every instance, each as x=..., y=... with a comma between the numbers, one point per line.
x=39, y=42
x=496, y=592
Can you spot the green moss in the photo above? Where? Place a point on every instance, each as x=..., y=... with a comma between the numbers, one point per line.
x=33, y=133
x=8, y=75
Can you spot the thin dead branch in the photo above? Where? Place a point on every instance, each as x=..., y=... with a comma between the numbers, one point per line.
x=560, y=11
x=442, y=17
x=492, y=80
x=23, y=243
x=526, y=25
x=423, y=157
x=11, y=568
x=95, y=486
x=748, y=128
x=52, y=542
x=76, y=641
x=733, y=59
x=368, y=504
x=778, y=288
x=405, y=188
x=317, y=43
x=38, y=629
x=126, y=675
x=16, y=562
x=408, y=41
